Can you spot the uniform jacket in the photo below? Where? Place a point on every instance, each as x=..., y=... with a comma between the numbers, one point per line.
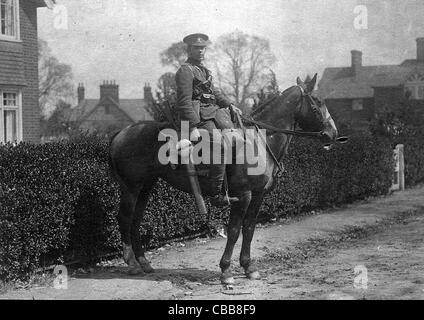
x=189, y=107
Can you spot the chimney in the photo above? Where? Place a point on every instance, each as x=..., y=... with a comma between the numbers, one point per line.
x=356, y=61
x=420, y=49
x=81, y=93
x=148, y=96
x=109, y=89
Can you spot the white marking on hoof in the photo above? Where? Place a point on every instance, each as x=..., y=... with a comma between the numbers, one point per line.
x=227, y=281
x=255, y=275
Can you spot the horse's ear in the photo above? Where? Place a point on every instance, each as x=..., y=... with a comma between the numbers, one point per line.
x=298, y=81
x=311, y=84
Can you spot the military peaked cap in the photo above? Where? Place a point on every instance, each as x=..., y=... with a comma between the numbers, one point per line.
x=196, y=39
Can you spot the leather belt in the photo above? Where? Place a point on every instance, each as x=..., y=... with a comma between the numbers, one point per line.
x=206, y=98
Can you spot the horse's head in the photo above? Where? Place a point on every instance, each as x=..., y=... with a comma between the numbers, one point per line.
x=297, y=105
x=312, y=113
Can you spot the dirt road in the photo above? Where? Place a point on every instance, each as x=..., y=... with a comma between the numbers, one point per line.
x=314, y=257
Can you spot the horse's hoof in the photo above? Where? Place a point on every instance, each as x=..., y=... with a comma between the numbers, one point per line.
x=145, y=265
x=148, y=268
x=227, y=280
x=135, y=270
x=255, y=275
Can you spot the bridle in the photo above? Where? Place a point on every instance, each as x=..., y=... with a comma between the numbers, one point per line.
x=271, y=129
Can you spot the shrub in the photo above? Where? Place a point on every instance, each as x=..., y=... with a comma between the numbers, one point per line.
x=45, y=191
x=316, y=178
x=58, y=202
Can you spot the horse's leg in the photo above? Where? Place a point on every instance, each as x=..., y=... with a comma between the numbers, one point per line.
x=238, y=211
x=125, y=218
x=249, y=224
x=137, y=243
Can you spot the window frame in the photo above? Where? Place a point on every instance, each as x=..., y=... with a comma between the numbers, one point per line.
x=17, y=36
x=414, y=83
x=18, y=109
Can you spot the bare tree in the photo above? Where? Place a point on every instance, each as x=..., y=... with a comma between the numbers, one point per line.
x=241, y=64
x=55, y=80
x=269, y=89
x=58, y=122
x=167, y=86
x=174, y=56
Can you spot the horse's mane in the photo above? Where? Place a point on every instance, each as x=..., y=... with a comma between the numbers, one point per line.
x=271, y=101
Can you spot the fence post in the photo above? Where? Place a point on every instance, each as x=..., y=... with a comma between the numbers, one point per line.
x=401, y=167
x=399, y=174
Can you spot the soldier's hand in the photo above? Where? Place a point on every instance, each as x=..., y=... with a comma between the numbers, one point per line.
x=235, y=109
x=194, y=135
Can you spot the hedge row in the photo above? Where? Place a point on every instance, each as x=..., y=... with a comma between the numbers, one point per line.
x=58, y=201
x=316, y=179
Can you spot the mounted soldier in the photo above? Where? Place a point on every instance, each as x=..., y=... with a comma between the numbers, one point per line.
x=134, y=163
x=204, y=106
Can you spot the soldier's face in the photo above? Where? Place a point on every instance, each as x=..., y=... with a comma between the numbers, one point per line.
x=197, y=53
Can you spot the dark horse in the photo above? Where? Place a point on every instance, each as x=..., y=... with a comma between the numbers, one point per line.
x=133, y=160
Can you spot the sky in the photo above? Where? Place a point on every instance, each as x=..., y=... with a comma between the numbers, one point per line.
x=121, y=39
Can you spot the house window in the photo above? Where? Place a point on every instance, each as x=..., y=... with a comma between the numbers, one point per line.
x=9, y=19
x=416, y=90
x=107, y=110
x=10, y=117
x=357, y=104
x=415, y=86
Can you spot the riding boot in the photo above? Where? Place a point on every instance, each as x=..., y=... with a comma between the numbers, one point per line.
x=216, y=175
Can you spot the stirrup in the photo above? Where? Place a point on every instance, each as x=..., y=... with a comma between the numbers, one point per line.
x=223, y=200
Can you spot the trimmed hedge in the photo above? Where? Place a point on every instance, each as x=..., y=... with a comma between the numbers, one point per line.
x=58, y=201
x=316, y=178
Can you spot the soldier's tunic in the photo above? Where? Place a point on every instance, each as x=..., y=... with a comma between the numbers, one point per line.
x=198, y=100
x=204, y=107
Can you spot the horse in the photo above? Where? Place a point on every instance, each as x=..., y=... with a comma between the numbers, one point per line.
x=133, y=157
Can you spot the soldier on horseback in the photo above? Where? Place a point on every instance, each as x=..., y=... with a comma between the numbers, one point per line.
x=200, y=103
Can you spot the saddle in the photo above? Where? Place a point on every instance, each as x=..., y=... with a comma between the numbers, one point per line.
x=168, y=113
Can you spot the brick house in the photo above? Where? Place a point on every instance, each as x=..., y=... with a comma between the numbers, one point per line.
x=353, y=94
x=19, y=108
x=109, y=112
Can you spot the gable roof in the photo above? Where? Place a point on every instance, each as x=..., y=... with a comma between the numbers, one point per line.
x=134, y=109
x=339, y=83
x=84, y=108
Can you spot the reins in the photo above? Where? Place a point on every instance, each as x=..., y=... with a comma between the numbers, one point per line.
x=278, y=130
x=259, y=124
